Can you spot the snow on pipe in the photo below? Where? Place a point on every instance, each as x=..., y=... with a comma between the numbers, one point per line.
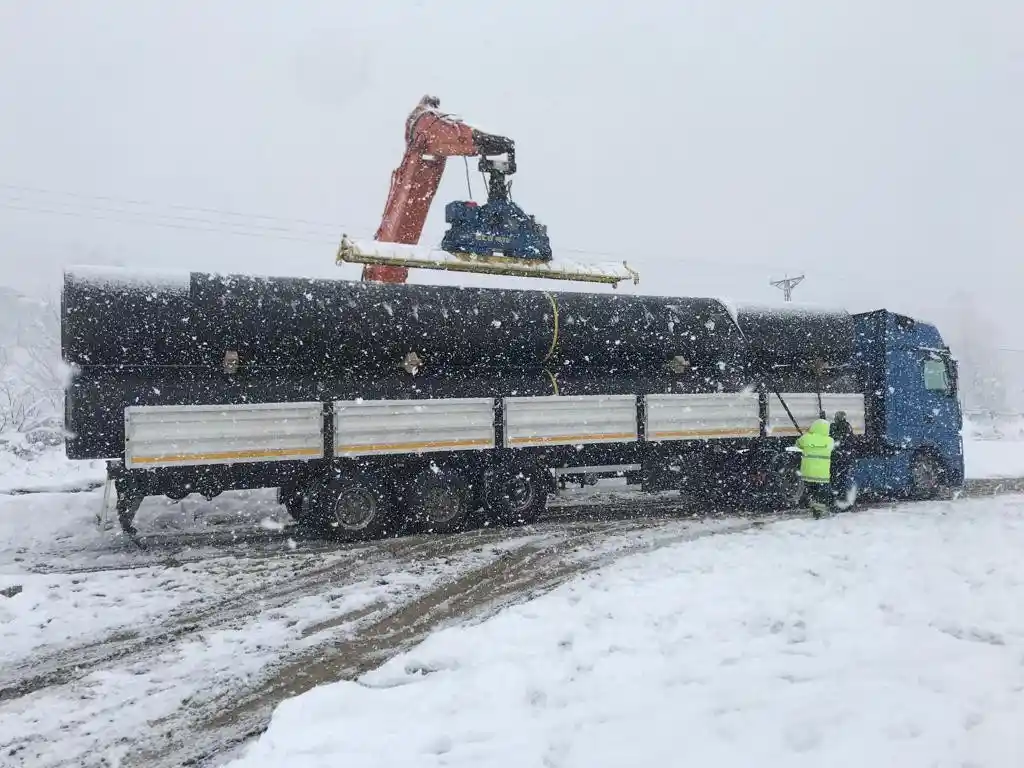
x=419, y=257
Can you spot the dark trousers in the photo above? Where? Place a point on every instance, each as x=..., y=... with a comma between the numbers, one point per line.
x=842, y=463
x=819, y=495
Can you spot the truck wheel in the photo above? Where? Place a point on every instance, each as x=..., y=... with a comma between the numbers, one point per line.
x=355, y=506
x=290, y=497
x=786, y=487
x=517, y=494
x=926, y=476
x=439, y=500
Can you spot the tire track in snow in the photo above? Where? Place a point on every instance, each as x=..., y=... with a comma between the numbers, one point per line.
x=124, y=645
x=519, y=575
x=372, y=634
x=72, y=663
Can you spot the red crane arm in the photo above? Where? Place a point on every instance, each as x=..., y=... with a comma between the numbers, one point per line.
x=430, y=139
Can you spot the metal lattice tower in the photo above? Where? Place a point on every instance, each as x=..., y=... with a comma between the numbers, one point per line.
x=787, y=285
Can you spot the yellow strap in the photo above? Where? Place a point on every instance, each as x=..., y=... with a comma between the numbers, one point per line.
x=554, y=381
x=554, y=331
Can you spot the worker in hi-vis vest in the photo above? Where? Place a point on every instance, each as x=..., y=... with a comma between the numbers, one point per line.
x=816, y=465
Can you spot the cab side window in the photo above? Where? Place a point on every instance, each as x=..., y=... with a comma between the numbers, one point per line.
x=936, y=376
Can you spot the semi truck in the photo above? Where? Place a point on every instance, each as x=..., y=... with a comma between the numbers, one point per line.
x=381, y=407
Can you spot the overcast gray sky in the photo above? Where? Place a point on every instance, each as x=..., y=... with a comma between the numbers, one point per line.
x=716, y=145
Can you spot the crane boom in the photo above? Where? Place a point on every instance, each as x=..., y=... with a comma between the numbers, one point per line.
x=430, y=139
x=497, y=238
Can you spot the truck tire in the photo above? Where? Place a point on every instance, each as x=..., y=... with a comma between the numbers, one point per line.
x=516, y=494
x=786, y=488
x=439, y=500
x=927, y=476
x=291, y=498
x=357, y=505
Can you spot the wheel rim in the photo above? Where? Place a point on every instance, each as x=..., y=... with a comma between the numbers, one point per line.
x=520, y=492
x=792, y=487
x=355, y=508
x=442, y=505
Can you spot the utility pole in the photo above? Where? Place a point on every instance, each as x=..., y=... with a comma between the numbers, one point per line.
x=787, y=285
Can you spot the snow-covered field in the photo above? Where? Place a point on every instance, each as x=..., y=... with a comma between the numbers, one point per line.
x=886, y=638
x=887, y=635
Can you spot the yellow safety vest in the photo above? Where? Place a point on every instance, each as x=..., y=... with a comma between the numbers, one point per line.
x=816, y=446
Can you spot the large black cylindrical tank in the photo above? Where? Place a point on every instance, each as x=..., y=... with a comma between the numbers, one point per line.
x=796, y=337
x=302, y=325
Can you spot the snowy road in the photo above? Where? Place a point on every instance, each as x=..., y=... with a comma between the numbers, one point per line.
x=183, y=650
x=893, y=637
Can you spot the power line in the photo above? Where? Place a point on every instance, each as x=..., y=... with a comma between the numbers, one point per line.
x=165, y=224
x=274, y=232
x=130, y=201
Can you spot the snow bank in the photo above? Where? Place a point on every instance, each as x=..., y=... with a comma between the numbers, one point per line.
x=999, y=427
x=27, y=467
x=884, y=638
x=994, y=447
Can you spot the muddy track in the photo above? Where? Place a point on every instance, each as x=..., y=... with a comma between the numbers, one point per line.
x=581, y=522
x=362, y=640
x=72, y=663
x=375, y=636
x=175, y=549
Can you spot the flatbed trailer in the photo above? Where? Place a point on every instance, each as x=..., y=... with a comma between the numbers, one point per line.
x=375, y=407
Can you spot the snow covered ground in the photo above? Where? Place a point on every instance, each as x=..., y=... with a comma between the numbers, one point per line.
x=885, y=638
x=24, y=467
x=777, y=645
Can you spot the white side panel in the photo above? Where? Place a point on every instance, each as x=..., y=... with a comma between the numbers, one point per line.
x=853, y=404
x=702, y=417
x=192, y=435
x=569, y=420
x=377, y=427
x=804, y=407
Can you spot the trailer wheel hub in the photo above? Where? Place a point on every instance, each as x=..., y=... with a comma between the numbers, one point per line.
x=442, y=505
x=520, y=492
x=355, y=508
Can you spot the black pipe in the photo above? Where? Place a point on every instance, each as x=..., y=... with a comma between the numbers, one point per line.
x=332, y=325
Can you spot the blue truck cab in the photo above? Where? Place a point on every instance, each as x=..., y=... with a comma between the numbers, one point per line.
x=913, y=444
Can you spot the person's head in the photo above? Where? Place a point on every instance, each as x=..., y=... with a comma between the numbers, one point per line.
x=819, y=427
x=431, y=102
x=840, y=417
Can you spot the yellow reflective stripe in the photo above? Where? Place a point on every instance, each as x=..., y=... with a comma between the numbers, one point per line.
x=268, y=453
x=724, y=432
x=572, y=438
x=415, y=446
